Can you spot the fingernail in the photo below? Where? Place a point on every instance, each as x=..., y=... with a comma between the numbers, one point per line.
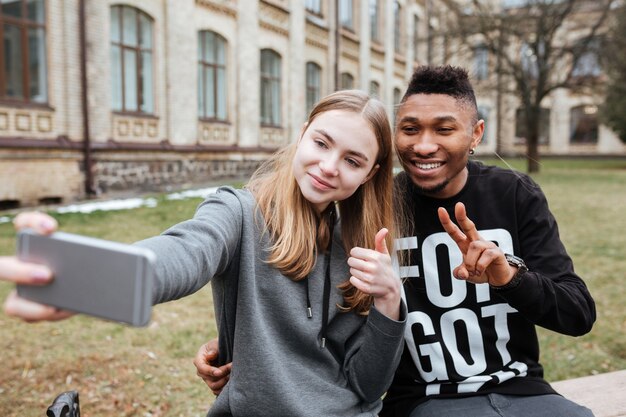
x=210, y=352
x=47, y=224
x=40, y=275
x=217, y=372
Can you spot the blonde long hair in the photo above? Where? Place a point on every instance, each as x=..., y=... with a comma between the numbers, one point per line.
x=297, y=231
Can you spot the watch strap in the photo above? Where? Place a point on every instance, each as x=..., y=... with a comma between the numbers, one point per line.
x=513, y=283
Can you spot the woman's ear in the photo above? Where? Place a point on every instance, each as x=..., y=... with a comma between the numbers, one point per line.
x=371, y=174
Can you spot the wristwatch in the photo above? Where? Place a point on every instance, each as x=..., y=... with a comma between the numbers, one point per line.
x=517, y=262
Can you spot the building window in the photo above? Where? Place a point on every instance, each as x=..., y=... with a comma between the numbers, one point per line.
x=313, y=84
x=314, y=6
x=132, y=71
x=347, y=81
x=397, y=96
x=416, y=37
x=483, y=114
x=374, y=89
x=481, y=63
x=521, y=129
x=346, y=14
x=528, y=59
x=397, y=30
x=588, y=63
x=584, y=125
x=374, y=24
x=270, y=88
x=23, y=73
x=211, y=76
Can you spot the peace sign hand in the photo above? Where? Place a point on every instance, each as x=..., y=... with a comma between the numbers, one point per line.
x=483, y=260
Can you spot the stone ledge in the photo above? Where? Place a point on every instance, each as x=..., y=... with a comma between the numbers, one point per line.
x=604, y=394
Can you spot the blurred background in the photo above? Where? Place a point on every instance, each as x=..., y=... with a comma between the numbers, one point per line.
x=102, y=96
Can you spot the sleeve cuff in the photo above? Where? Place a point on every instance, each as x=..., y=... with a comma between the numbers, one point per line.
x=386, y=325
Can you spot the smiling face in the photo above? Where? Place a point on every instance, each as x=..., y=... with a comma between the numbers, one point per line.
x=434, y=134
x=336, y=154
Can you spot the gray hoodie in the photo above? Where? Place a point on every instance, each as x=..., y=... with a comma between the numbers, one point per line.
x=279, y=365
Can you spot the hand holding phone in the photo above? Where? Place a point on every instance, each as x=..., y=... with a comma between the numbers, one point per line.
x=101, y=278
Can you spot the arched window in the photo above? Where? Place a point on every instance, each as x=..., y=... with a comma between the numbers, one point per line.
x=270, y=88
x=212, y=101
x=132, y=71
x=313, y=84
x=583, y=125
x=347, y=81
x=374, y=89
x=23, y=69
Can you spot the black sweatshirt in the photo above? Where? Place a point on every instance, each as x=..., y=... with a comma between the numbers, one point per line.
x=464, y=339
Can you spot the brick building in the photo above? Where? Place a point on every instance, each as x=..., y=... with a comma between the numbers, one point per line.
x=104, y=95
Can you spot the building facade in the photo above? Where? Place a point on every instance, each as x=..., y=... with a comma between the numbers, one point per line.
x=105, y=95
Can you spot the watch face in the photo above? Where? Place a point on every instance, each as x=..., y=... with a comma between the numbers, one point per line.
x=516, y=261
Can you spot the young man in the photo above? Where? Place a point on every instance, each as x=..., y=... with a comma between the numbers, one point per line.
x=474, y=291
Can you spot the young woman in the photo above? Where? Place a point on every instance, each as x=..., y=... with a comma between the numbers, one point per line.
x=307, y=302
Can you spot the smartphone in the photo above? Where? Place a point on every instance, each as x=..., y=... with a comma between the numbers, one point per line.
x=97, y=277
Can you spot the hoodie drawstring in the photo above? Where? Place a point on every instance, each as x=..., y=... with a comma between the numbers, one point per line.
x=327, y=283
x=309, y=310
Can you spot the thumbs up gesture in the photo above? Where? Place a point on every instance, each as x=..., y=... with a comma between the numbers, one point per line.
x=372, y=273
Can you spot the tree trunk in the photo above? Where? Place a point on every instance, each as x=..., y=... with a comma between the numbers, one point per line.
x=533, y=155
x=533, y=120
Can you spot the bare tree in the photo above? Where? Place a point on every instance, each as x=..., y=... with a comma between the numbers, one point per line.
x=539, y=46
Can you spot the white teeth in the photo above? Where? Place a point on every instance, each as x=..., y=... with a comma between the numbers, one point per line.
x=432, y=165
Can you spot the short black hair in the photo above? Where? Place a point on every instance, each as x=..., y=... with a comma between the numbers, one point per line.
x=445, y=79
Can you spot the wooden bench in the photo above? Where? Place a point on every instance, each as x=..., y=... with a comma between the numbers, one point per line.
x=604, y=394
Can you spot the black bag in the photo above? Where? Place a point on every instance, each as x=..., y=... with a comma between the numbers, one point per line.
x=65, y=405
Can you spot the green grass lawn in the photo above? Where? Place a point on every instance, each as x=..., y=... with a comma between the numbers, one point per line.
x=123, y=371
x=118, y=370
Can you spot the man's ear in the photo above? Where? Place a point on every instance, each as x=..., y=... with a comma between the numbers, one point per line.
x=477, y=133
x=371, y=174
